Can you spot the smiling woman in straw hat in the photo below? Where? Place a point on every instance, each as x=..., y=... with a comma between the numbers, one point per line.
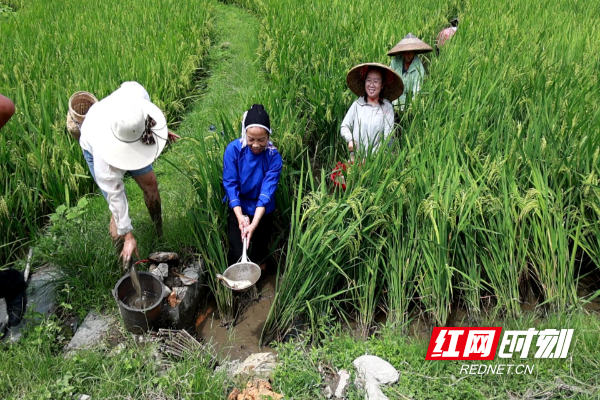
x=123, y=133
x=407, y=63
x=370, y=119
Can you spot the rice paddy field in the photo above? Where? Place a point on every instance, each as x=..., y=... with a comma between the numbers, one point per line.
x=490, y=191
x=486, y=203
x=49, y=51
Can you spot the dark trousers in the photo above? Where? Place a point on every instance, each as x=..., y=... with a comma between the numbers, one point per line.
x=11, y=284
x=258, y=250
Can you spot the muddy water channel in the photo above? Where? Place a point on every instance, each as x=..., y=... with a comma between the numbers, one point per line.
x=239, y=342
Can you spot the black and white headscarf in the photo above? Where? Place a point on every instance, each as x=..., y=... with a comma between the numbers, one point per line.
x=256, y=116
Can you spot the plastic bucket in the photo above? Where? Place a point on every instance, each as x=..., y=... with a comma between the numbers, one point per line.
x=136, y=320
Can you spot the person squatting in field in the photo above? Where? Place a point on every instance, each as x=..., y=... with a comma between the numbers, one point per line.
x=251, y=171
x=370, y=119
x=408, y=65
x=12, y=283
x=124, y=133
x=447, y=33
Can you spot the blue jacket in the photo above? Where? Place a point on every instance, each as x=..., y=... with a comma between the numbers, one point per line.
x=249, y=179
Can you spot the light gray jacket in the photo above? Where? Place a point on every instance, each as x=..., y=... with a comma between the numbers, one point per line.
x=368, y=125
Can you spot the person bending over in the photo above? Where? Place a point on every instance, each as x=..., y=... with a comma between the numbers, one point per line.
x=124, y=133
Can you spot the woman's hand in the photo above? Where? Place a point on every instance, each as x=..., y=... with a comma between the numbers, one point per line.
x=250, y=231
x=129, y=248
x=243, y=222
x=258, y=214
x=351, y=145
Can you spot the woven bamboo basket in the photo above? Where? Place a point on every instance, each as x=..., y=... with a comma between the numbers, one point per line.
x=79, y=104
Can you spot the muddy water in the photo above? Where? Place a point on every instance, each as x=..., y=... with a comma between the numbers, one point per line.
x=146, y=300
x=239, y=342
x=242, y=340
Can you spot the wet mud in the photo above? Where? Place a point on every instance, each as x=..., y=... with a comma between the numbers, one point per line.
x=241, y=340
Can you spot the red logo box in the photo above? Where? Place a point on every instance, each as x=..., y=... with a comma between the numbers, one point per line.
x=463, y=343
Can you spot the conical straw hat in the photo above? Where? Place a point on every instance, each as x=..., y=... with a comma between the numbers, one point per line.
x=392, y=82
x=410, y=43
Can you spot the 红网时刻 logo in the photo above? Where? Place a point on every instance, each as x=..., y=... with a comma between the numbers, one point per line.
x=484, y=344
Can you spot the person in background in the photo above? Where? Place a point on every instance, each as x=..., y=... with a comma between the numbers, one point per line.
x=447, y=33
x=12, y=283
x=7, y=110
x=408, y=65
x=251, y=170
x=125, y=133
x=370, y=119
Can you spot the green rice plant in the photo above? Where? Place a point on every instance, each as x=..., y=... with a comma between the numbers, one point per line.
x=313, y=261
x=367, y=284
x=553, y=241
x=504, y=253
x=343, y=231
x=208, y=216
x=507, y=99
x=401, y=270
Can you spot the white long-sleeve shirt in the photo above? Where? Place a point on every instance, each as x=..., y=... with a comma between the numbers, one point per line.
x=368, y=125
x=109, y=178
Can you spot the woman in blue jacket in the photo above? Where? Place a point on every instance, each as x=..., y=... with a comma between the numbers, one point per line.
x=251, y=170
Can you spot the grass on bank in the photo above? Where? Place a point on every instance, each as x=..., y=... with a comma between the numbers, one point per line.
x=236, y=82
x=298, y=374
x=37, y=368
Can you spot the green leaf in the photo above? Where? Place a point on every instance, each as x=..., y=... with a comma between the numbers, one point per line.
x=82, y=202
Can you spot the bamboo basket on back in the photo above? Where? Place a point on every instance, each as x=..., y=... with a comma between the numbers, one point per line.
x=79, y=104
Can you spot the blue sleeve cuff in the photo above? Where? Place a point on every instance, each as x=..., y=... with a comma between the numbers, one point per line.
x=234, y=203
x=263, y=200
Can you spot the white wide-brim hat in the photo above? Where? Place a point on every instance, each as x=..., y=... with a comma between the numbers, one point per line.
x=114, y=127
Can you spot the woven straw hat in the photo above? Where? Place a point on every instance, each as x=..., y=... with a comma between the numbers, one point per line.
x=410, y=43
x=392, y=82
